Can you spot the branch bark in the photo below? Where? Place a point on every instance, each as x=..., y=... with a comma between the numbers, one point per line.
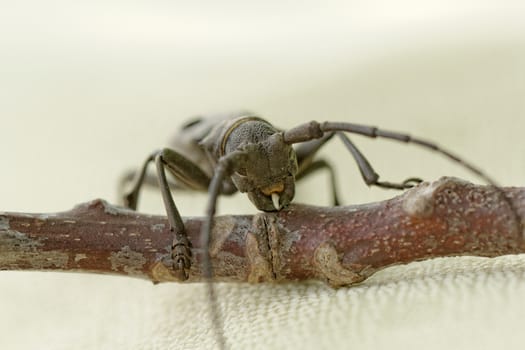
x=340, y=245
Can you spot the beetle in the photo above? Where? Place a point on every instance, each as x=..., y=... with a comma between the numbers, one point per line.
x=242, y=152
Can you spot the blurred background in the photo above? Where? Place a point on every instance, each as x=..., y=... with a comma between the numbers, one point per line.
x=89, y=89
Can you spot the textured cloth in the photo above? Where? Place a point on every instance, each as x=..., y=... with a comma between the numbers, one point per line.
x=456, y=303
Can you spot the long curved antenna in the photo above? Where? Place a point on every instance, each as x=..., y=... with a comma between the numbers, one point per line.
x=315, y=130
x=224, y=168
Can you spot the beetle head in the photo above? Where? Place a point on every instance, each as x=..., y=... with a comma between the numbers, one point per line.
x=268, y=173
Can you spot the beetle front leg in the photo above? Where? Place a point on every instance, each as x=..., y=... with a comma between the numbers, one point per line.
x=189, y=175
x=193, y=177
x=181, y=247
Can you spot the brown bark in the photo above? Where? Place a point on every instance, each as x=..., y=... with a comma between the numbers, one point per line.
x=341, y=245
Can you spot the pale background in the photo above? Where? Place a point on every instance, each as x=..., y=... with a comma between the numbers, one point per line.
x=88, y=89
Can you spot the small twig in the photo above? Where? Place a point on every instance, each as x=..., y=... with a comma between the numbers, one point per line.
x=340, y=245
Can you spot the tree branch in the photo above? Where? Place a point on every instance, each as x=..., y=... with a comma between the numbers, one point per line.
x=340, y=245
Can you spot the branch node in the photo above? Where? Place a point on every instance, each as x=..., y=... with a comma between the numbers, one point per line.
x=419, y=201
x=329, y=265
x=258, y=252
x=99, y=205
x=162, y=271
x=274, y=236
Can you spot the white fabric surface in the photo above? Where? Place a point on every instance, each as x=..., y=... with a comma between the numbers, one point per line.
x=89, y=89
x=453, y=303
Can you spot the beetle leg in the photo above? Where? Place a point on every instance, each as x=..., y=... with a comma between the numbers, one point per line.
x=189, y=176
x=318, y=165
x=149, y=180
x=367, y=172
x=187, y=173
x=306, y=152
x=130, y=200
